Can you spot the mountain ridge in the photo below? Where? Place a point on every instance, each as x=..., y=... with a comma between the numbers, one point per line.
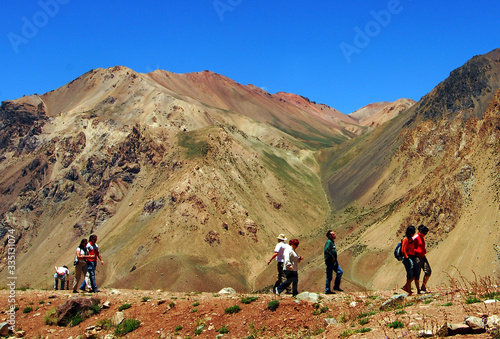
x=173, y=171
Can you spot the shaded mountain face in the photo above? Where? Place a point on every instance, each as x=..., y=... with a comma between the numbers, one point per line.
x=465, y=93
x=188, y=178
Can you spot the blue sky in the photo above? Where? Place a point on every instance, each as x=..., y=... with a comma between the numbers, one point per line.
x=344, y=54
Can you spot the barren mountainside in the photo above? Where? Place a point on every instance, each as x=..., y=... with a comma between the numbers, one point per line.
x=188, y=178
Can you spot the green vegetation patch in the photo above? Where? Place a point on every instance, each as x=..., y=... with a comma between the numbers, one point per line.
x=124, y=307
x=51, y=317
x=273, y=305
x=472, y=300
x=248, y=300
x=396, y=324
x=127, y=326
x=232, y=309
x=194, y=147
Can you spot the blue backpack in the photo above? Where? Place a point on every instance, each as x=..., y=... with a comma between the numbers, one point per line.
x=398, y=253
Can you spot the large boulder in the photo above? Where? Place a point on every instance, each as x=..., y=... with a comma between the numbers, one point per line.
x=4, y=329
x=72, y=307
x=393, y=301
x=227, y=290
x=309, y=297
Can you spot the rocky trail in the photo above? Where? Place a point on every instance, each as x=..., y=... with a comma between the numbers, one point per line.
x=465, y=312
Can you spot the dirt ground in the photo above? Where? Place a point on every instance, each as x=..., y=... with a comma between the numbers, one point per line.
x=187, y=315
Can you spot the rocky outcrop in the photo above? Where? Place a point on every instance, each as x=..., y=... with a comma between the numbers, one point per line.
x=73, y=307
x=20, y=125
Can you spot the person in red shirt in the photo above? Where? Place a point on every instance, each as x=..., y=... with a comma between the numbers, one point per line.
x=421, y=259
x=408, y=249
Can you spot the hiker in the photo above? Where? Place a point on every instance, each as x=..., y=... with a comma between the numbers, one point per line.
x=62, y=274
x=408, y=249
x=279, y=249
x=81, y=263
x=421, y=259
x=330, y=255
x=93, y=252
x=291, y=266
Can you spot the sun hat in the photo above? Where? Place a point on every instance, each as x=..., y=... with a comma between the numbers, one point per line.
x=282, y=237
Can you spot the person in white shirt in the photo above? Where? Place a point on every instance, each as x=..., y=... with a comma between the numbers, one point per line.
x=279, y=250
x=81, y=266
x=291, y=267
x=62, y=274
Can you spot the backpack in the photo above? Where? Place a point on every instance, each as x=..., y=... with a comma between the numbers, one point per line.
x=398, y=253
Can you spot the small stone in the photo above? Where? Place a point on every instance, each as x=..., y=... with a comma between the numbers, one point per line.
x=330, y=321
x=474, y=322
x=425, y=333
x=493, y=321
x=393, y=301
x=490, y=301
x=455, y=329
x=443, y=330
x=117, y=318
x=106, y=305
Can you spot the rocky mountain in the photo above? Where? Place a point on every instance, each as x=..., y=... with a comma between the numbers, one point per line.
x=188, y=178
x=423, y=168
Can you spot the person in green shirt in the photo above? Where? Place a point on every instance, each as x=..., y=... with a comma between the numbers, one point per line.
x=332, y=264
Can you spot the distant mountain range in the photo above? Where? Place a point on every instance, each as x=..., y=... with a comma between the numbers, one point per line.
x=188, y=178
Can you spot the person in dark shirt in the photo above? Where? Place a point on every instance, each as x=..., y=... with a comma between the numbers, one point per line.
x=332, y=264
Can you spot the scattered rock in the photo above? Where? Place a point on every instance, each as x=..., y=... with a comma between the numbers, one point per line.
x=330, y=321
x=490, y=301
x=4, y=329
x=493, y=321
x=455, y=329
x=20, y=334
x=425, y=333
x=212, y=238
x=73, y=306
x=227, y=290
x=309, y=297
x=443, y=331
x=117, y=318
x=106, y=305
x=395, y=300
x=477, y=325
